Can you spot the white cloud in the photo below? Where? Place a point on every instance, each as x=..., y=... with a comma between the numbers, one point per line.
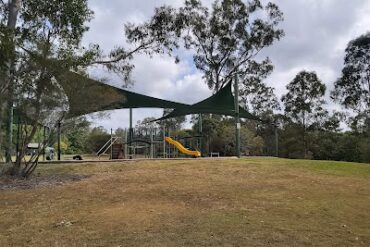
x=317, y=33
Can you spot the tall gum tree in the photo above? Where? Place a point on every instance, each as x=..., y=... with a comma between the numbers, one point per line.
x=9, y=15
x=47, y=42
x=225, y=39
x=304, y=101
x=352, y=89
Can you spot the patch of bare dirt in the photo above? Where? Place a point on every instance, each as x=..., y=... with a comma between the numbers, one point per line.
x=38, y=181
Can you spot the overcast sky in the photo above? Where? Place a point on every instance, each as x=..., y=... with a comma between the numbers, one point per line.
x=317, y=32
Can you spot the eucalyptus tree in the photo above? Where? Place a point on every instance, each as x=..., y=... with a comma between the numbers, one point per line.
x=225, y=38
x=352, y=89
x=46, y=42
x=304, y=101
x=259, y=99
x=8, y=20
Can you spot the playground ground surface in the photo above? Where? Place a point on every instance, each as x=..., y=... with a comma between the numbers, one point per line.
x=195, y=202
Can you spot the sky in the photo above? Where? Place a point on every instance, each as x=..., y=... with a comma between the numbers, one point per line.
x=316, y=35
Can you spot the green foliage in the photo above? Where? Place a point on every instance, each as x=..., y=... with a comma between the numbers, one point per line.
x=331, y=122
x=228, y=37
x=120, y=132
x=97, y=137
x=66, y=19
x=219, y=135
x=147, y=123
x=183, y=133
x=76, y=132
x=44, y=42
x=364, y=147
x=352, y=89
x=290, y=145
x=172, y=124
x=303, y=103
x=304, y=99
x=323, y=145
x=259, y=99
x=64, y=146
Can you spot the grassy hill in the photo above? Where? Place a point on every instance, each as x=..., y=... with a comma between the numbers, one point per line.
x=246, y=202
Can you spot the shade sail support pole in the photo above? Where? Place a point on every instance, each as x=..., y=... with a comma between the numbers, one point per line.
x=276, y=140
x=237, y=118
x=130, y=136
x=59, y=137
x=200, y=133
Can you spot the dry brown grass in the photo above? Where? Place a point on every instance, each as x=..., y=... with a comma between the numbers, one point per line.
x=247, y=202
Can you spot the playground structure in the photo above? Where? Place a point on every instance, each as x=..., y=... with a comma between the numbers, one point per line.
x=149, y=142
x=86, y=95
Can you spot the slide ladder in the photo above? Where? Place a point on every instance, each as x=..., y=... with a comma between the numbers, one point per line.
x=181, y=148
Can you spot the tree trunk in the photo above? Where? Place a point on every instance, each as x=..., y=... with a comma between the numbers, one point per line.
x=1, y=123
x=14, y=6
x=304, y=135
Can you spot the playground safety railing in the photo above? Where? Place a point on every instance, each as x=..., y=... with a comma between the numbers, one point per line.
x=107, y=145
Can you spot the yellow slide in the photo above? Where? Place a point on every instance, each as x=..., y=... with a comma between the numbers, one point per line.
x=181, y=148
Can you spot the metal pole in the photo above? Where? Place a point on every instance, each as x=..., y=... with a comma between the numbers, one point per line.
x=169, y=146
x=151, y=143
x=130, y=123
x=130, y=136
x=126, y=150
x=237, y=120
x=43, y=143
x=200, y=133
x=18, y=134
x=111, y=143
x=164, y=142
x=276, y=141
x=59, y=151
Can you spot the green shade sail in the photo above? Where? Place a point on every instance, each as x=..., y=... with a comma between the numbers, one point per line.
x=86, y=96
x=221, y=103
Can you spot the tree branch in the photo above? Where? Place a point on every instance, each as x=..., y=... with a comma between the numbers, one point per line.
x=203, y=48
x=123, y=56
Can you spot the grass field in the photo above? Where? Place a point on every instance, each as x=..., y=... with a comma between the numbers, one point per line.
x=246, y=202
